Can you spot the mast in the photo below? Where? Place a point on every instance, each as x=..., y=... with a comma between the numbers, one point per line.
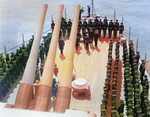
x=23, y=38
x=114, y=15
x=93, y=8
x=65, y=15
x=122, y=19
x=5, y=50
x=145, y=57
x=129, y=32
x=52, y=17
x=136, y=45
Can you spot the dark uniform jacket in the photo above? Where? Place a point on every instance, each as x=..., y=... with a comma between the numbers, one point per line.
x=121, y=27
x=52, y=25
x=79, y=35
x=84, y=24
x=84, y=34
x=96, y=21
x=79, y=24
x=87, y=39
x=110, y=26
x=100, y=25
x=61, y=44
x=96, y=36
x=104, y=26
x=105, y=21
x=90, y=24
x=91, y=33
x=116, y=26
x=94, y=26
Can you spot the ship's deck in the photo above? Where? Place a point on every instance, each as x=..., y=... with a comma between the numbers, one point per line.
x=91, y=67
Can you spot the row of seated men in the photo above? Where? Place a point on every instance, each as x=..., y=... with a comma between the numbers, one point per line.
x=99, y=25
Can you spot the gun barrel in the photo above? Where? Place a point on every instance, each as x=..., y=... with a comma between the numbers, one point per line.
x=45, y=88
x=29, y=73
x=64, y=88
x=47, y=76
x=25, y=90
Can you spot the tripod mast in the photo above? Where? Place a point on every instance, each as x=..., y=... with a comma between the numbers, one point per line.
x=93, y=8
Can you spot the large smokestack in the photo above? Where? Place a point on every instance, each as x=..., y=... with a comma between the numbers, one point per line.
x=25, y=89
x=64, y=88
x=45, y=87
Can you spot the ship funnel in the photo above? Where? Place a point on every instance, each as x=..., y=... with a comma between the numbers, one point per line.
x=25, y=90
x=45, y=87
x=64, y=89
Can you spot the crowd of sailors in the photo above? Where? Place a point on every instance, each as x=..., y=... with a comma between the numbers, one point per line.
x=89, y=32
x=12, y=66
x=136, y=83
x=102, y=26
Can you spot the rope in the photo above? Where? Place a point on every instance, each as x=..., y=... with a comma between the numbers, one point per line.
x=47, y=31
x=25, y=42
x=26, y=30
x=19, y=35
x=15, y=46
